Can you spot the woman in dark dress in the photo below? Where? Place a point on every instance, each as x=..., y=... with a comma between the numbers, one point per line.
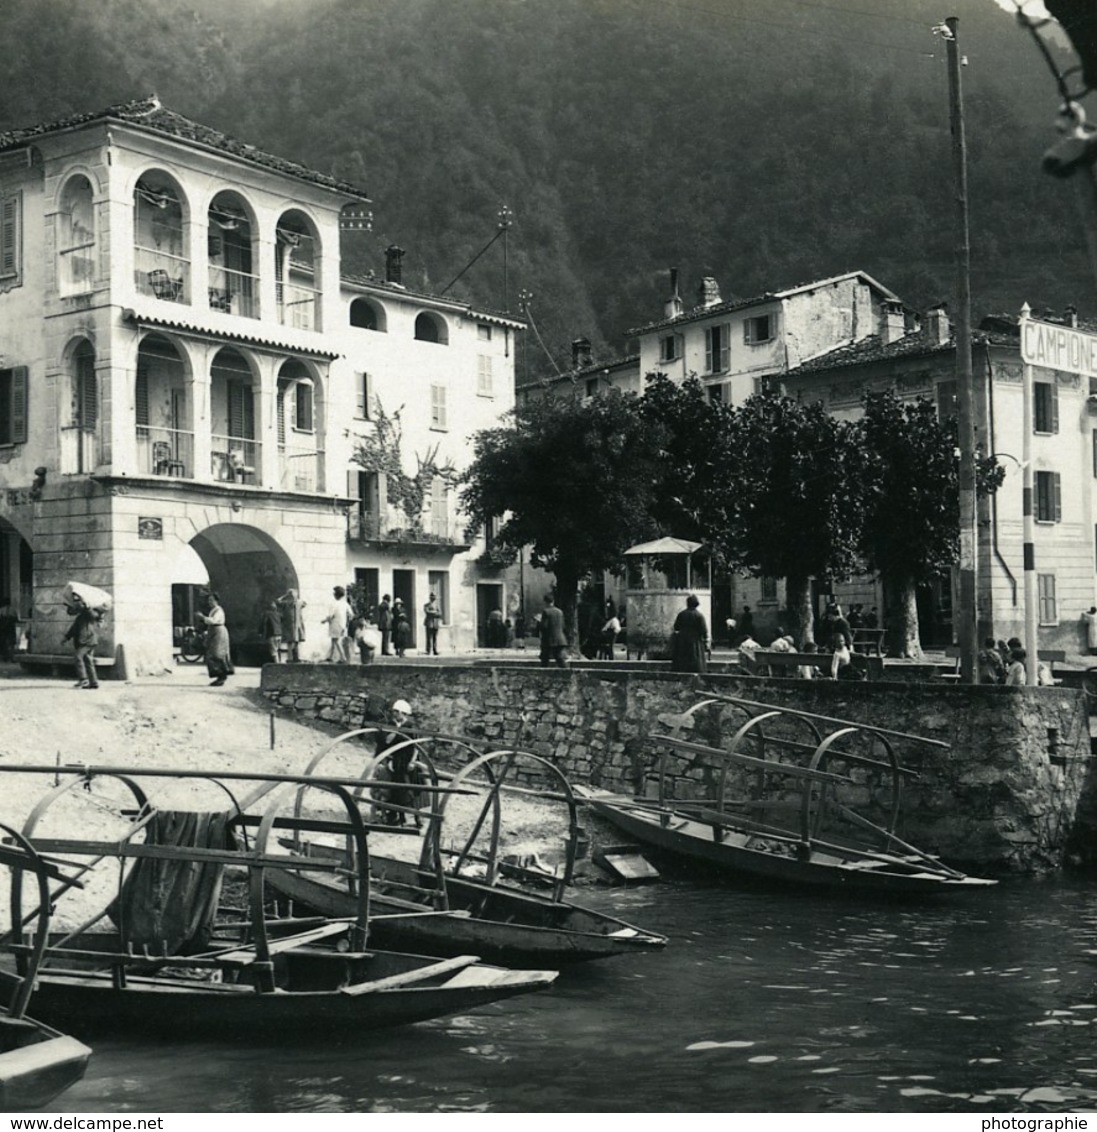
x=689, y=643
x=401, y=628
x=218, y=660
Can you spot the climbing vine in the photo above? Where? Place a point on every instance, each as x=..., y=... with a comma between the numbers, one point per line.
x=381, y=452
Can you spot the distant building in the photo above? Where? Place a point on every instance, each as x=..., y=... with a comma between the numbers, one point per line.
x=185, y=377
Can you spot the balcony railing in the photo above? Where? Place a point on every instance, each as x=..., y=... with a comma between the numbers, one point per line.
x=235, y=459
x=77, y=270
x=300, y=469
x=365, y=526
x=162, y=275
x=298, y=306
x=233, y=292
x=79, y=449
x=165, y=452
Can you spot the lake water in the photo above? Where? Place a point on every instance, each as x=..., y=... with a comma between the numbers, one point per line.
x=762, y=1002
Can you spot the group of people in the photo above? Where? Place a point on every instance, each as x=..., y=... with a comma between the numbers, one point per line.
x=1006, y=662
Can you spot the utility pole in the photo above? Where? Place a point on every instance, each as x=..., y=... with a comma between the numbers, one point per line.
x=1032, y=639
x=966, y=621
x=505, y=218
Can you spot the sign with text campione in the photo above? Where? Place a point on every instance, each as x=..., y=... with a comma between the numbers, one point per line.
x=1058, y=347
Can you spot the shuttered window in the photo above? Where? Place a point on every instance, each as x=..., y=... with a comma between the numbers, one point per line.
x=302, y=396
x=241, y=411
x=87, y=392
x=141, y=401
x=1049, y=497
x=13, y=405
x=363, y=391
x=1045, y=593
x=1045, y=407
x=483, y=376
x=716, y=349
x=438, y=407
x=11, y=237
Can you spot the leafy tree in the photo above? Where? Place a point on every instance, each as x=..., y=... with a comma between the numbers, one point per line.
x=575, y=480
x=910, y=531
x=785, y=500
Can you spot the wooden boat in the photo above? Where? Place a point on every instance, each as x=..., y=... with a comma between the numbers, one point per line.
x=174, y=962
x=800, y=833
x=37, y=1062
x=502, y=922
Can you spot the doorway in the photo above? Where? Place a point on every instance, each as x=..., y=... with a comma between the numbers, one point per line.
x=489, y=596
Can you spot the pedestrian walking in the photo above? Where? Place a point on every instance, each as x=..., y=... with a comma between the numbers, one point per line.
x=84, y=634
x=337, y=621
x=554, y=641
x=218, y=645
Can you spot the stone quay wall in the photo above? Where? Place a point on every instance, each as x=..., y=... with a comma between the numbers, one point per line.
x=1003, y=797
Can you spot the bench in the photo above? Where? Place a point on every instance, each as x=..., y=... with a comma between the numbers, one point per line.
x=869, y=640
x=763, y=662
x=953, y=652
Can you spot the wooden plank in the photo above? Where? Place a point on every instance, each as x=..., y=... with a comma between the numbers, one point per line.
x=405, y=977
x=242, y=858
x=245, y=955
x=750, y=760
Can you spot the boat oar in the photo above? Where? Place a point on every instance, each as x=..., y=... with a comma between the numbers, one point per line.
x=864, y=823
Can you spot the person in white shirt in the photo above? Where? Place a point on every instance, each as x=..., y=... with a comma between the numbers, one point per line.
x=337, y=620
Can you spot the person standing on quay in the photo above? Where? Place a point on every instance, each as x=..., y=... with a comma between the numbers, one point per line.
x=384, y=623
x=337, y=620
x=401, y=628
x=270, y=629
x=293, y=624
x=432, y=618
x=554, y=641
x=218, y=645
x=689, y=641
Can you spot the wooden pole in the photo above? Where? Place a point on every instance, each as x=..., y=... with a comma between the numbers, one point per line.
x=1032, y=644
x=966, y=619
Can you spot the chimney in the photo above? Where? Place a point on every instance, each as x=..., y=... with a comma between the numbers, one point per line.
x=1072, y=316
x=708, y=293
x=394, y=269
x=894, y=323
x=580, y=353
x=938, y=328
x=673, y=307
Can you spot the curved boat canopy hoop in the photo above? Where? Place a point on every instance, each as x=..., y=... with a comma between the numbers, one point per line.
x=561, y=792
x=256, y=872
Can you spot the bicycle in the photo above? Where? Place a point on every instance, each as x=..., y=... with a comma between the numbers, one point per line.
x=192, y=646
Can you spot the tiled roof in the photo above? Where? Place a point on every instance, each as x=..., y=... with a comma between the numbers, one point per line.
x=196, y=326
x=766, y=297
x=397, y=290
x=576, y=375
x=996, y=330
x=148, y=114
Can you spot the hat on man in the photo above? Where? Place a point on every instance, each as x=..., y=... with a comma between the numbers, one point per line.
x=402, y=706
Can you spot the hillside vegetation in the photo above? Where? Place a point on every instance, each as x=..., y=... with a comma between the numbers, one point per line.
x=765, y=142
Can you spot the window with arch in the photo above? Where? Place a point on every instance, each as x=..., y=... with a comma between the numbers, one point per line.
x=233, y=285
x=79, y=440
x=368, y=315
x=431, y=328
x=76, y=237
x=159, y=240
x=297, y=272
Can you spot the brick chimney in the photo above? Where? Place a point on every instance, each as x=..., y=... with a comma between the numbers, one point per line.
x=394, y=268
x=708, y=293
x=1071, y=315
x=580, y=353
x=938, y=329
x=894, y=323
x=673, y=306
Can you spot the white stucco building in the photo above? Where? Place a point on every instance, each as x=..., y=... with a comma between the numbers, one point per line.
x=186, y=374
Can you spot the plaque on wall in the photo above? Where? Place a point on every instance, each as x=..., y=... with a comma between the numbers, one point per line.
x=150, y=528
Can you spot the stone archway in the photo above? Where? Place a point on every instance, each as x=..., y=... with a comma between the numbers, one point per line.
x=17, y=572
x=247, y=568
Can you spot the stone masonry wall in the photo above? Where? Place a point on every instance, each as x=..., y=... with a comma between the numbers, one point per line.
x=1002, y=797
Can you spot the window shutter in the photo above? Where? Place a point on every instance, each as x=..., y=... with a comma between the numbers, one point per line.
x=438, y=406
x=361, y=408
x=19, y=405
x=241, y=411
x=9, y=236
x=1053, y=398
x=282, y=415
x=87, y=394
x=1056, y=487
x=354, y=490
x=710, y=366
x=141, y=401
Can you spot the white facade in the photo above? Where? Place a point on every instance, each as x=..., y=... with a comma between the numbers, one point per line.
x=177, y=353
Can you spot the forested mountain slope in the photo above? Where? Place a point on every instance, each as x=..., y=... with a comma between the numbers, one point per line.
x=765, y=142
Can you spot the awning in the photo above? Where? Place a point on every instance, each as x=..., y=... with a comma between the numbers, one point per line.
x=666, y=545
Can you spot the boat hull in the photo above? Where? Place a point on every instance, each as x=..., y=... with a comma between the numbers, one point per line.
x=40, y=1065
x=500, y=924
x=728, y=849
x=184, y=1007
